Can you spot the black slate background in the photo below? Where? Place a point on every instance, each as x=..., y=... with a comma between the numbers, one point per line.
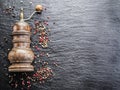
x=85, y=41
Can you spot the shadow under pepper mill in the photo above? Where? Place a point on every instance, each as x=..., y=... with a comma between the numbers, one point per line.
x=21, y=56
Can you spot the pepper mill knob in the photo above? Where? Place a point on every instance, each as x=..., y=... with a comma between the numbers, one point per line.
x=38, y=8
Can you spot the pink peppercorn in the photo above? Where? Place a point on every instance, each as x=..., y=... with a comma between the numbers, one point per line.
x=28, y=82
x=36, y=22
x=38, y=49
x=23, y=82
x=41, y=39
x=41, y=79
x=45, y=22
x=34, y=32
x=35, y=57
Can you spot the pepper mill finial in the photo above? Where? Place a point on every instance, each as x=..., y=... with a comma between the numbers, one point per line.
x=21, y=14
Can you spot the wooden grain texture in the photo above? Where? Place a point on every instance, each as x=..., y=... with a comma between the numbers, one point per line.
x=85, y=39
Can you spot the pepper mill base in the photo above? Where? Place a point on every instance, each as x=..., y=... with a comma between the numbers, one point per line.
x=21, y=67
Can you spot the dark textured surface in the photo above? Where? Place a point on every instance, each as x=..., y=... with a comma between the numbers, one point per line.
x=85, y=40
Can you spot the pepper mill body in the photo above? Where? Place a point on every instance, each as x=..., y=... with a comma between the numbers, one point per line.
x=21, y=56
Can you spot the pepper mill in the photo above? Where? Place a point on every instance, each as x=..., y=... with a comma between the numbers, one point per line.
x=21, y=56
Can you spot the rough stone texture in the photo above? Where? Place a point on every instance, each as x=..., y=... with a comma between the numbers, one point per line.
x=84, y=39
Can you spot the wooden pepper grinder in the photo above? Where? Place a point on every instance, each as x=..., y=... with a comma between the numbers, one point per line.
x=21, y=56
